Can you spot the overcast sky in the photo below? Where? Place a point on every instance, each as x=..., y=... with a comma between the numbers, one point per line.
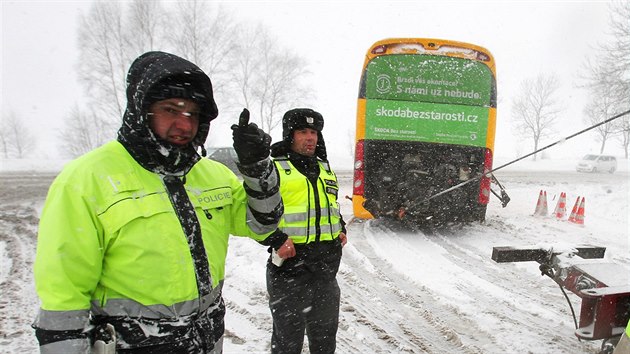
x=39, y=53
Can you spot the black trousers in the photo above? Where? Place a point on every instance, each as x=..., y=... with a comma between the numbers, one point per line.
x=303, y=302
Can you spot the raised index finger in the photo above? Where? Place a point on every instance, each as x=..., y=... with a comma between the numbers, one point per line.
x=243, y=120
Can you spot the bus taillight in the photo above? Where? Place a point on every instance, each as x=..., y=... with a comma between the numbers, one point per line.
x=358, y=181
x=484, y=185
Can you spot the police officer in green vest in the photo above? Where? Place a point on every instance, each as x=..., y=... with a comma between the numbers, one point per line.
x=306, y=248
x=133, y=235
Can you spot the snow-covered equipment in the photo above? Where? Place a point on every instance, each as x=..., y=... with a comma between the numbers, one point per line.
x=603, y=287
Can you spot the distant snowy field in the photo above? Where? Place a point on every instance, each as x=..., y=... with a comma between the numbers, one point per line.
x=39, y=165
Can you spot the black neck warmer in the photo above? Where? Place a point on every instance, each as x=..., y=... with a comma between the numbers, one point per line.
x=307, y=165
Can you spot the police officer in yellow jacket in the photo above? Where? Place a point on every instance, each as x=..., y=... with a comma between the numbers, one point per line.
x=134, y=234
x=306, y=249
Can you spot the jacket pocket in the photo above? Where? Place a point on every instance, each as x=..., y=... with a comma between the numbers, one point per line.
x=212, y=198
x=127, y=208
x=210, y=204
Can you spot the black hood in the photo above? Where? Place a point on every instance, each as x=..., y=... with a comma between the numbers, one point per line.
x=153, y=153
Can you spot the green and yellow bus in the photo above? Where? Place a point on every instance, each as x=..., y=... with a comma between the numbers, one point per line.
x=426, y=119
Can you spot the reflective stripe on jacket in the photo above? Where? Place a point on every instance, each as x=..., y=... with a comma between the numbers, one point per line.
x=299, y=219
x=110, y=242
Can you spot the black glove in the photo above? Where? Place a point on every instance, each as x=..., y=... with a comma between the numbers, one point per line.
x=250, y=142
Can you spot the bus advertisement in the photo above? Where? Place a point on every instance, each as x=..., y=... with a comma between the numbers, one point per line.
x=426, y=118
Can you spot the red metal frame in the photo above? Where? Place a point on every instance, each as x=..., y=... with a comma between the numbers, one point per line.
x=602, y=286
x=604, y=309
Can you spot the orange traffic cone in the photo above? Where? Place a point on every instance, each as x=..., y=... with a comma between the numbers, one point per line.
x=561, y=207
x=541, y=205
x=574, y=210
x=579, y=216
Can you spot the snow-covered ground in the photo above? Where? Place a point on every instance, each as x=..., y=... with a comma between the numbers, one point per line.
x=402, y=291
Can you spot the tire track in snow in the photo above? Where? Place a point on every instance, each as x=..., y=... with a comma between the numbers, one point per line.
x=18, y=227
x=546, y=306
x=484, y=292
x=407, y=313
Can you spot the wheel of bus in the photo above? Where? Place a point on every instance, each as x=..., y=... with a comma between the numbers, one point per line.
x=475, y=214
x=478, y=214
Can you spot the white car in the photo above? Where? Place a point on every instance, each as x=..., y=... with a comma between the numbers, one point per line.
x=594, y=163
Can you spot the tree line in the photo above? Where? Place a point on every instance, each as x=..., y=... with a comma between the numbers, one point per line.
x=246, y=63
x=606, y=79
x=250, y=68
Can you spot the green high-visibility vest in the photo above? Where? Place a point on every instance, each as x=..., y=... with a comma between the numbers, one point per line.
x=299, y=219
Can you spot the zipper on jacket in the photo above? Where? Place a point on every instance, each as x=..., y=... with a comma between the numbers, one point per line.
x=185, y=212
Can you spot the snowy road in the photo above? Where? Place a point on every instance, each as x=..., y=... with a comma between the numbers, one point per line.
x=402, y=291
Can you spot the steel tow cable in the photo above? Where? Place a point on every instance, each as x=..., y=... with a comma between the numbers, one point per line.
x=489, y=173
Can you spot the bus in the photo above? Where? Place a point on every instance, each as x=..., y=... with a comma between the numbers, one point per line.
x=426, y=122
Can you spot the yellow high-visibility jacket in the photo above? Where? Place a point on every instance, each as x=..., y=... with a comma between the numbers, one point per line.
x=110, y=242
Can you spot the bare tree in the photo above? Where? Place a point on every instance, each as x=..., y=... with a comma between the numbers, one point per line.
x=145, y=19
x=624, y=135
x=104, y=60
x=244, y=66
x=607, y=73
x=610, y=65
x=204, y=35
x=269, y=77
x=112, y=34
x=4, y=137
x=536, y=108
x=15, y=137
x=605, y=91
x=87, y=131
x=616, y=55
x=618, y=59
x=107, y=45
x=597, y=110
